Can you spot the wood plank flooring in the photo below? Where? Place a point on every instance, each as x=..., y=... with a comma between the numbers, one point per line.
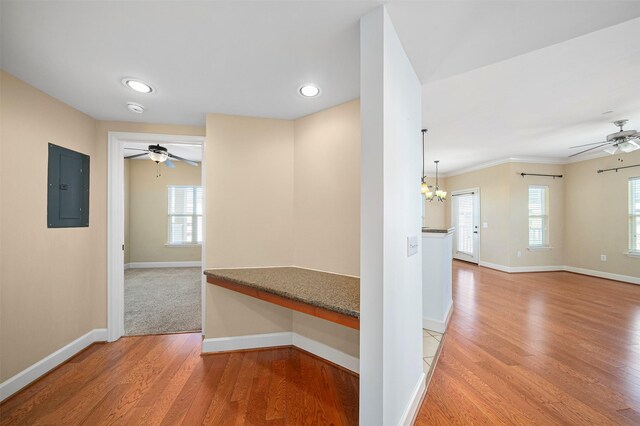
x=527, y=349
x=537, y=348
x=163, y=380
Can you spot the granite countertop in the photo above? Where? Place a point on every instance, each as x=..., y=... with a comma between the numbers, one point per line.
x=338, y=293
x=438, y=230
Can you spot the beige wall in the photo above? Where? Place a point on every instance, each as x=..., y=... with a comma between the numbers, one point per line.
x=597, y=215
x=519, y=220
x=588, y=214
x=249, y=216
x=494, y=184
x=53, y=282
x=435, y=213
x=326, y=210
x=48, y=276
x=280, y=192
x=148, y=211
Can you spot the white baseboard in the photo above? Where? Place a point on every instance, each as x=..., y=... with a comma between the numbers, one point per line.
x=438, y=325
x=127, y=266
x=139, y=265
x=518, y=269
x=552, y=268
x=607, y=275
x=327, y=352
x=256, y=341
x=494, y=266
x=599, y=274
x=414, y=404
x=35, y=371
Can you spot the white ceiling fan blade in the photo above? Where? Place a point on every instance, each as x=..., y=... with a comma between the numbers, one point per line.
x=588, y=144
x=589, y=149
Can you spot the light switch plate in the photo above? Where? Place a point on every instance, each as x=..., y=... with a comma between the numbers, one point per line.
x=412, y=245
x=485, y=224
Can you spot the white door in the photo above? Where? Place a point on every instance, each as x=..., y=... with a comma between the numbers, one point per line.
x=466, y=220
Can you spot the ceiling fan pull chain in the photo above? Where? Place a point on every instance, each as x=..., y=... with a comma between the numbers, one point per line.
x=158, y=170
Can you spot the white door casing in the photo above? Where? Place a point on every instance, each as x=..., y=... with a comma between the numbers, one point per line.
x=115, y=222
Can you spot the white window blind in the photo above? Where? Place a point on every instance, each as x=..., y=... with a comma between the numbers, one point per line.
x=538, y=216
x=464, y=231
x=634, y=215
x=185, y=215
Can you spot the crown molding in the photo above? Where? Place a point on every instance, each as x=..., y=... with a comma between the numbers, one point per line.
x=530, y=160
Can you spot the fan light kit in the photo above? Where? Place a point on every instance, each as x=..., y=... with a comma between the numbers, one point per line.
x=309, y=90
x=135, y=107
x=138, y=85
x=160, y=154
x=622, y=141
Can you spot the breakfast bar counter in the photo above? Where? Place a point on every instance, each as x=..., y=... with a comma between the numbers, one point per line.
x=332, y=297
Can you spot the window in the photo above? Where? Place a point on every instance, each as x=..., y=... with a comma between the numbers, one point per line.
x=634, y=215
x=538, y=216
x=185, y=215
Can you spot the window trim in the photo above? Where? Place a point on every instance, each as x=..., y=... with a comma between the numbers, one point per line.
x=546, y=240
x=195, y=216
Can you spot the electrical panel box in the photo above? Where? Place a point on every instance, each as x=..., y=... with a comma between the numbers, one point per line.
x=68, y=188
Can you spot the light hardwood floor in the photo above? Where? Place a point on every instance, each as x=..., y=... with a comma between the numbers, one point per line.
x=537, y=348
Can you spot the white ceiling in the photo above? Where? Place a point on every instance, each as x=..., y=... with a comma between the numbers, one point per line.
x=245, y=58
x=538, y=104
x=444, y=38
x=496, y=74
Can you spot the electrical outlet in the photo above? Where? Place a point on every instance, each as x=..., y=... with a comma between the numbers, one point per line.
x=603, y=257
x=519, y=253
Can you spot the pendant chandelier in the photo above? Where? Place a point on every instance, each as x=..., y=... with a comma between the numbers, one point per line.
x=439, y=195
x=424, y=189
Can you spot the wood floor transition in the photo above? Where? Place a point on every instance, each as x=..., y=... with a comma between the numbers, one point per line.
x=537, y=348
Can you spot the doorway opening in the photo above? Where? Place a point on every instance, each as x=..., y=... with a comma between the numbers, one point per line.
x=465, y=211
x=156, y=234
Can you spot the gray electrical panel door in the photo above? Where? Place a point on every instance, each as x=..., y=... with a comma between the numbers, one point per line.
x=68, y=188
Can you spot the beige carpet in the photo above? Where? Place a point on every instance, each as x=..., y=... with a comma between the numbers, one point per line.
x=161, y=300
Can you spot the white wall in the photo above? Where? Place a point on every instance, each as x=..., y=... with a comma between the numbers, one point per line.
x=390, y=287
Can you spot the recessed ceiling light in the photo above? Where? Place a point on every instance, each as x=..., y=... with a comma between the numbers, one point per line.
x=309, y=90
x=134, y=107
x=138, y=85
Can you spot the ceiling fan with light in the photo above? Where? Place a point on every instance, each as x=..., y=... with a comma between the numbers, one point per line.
x=160, y=154
x=622, y=141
